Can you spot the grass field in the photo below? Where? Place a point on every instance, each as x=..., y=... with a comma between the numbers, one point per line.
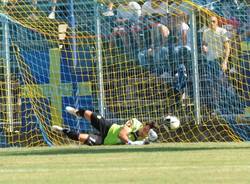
x=155, y=163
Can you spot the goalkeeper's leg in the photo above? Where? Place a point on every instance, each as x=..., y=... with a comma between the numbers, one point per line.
x=88, y=139
x=69, y=133
x=79, y=112
x=96, y=120
x=87, y=114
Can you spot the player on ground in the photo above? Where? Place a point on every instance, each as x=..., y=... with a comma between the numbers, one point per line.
x=133, y=132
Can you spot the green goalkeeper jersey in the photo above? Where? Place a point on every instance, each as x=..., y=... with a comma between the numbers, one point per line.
x=113, y=134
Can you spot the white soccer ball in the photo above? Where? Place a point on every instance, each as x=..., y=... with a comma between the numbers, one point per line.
x=172, y=122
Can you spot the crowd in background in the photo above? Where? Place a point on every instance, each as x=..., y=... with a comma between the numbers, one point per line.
x=168, y=35
x=159, y=36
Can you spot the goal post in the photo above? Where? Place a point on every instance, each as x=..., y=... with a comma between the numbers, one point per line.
x=7, y=73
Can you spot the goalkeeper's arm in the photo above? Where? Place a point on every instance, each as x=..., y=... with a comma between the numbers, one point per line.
x=123, y=135
x=152, y=136
x=137, y=142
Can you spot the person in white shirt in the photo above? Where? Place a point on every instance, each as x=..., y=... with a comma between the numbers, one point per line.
x=183, y=36
x=180, y=11
x=53, y=8
x=109, y=11
x=129, y=11
x=154, y=54
x=159, y=7
x=156, y=12
x=127, y=21
x=216, y=47
x=216, y=43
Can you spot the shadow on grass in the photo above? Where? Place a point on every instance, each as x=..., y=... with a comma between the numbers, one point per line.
x=113, y=149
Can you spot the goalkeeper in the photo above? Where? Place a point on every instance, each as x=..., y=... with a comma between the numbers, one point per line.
x=133, y=132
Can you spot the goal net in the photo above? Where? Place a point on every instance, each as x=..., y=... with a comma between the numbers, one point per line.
x=124, y=59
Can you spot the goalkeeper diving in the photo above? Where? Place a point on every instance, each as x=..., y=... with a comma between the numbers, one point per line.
x=133, y=132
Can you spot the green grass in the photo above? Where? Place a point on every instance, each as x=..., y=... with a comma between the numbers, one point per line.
x=155, y=163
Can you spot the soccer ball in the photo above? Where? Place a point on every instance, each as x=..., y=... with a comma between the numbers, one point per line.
x=172, y=122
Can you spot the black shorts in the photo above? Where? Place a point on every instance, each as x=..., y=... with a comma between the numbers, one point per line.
x=94, y=139
x=102, y=125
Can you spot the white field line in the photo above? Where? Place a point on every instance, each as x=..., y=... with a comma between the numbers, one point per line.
x=165, y=168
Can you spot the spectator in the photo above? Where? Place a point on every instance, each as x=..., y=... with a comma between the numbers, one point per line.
x=156, y=7
x=154, y=55
x=129, y=11
x=216, y=47
x=216, y=43
x=109, y=12
x=180, y=11
x=154, y=52
x=155, y=14
x=53, y=8
x=127, y=21
x=107, y=21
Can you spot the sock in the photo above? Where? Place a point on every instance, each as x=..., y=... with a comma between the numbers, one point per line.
x=71, y=134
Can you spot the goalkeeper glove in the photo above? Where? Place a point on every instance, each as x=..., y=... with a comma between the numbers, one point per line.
x=138, y=142
x=152, y=135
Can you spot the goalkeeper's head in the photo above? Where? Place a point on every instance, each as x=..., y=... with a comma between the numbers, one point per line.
x=143, y=132
x=152, y=124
